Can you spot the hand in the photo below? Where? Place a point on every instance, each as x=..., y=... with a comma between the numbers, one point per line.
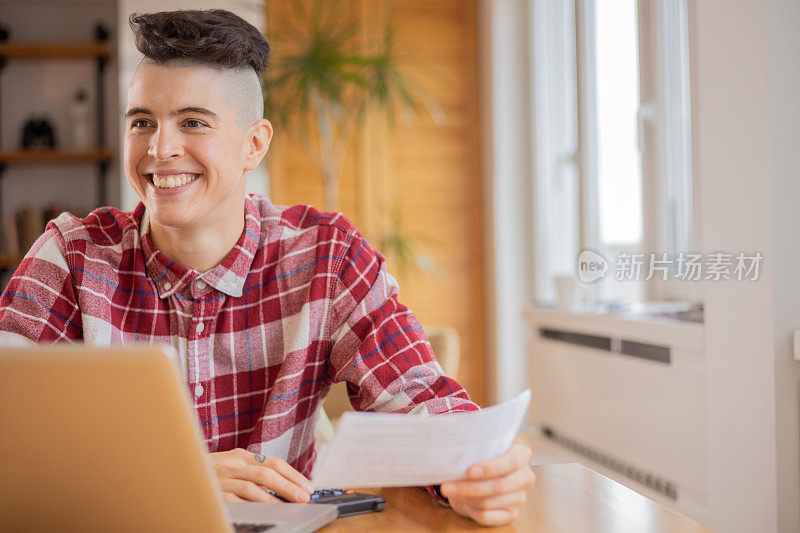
x=245, y=476
x=495, y=489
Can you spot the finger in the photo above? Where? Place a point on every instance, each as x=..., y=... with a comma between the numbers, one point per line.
x=516, y=456
x=519, y=479
x=487, y=517
x=509, y=501
x=246, y=490
x=494, y=517
x=285, y=469
x=273, y=480
x=228, y=497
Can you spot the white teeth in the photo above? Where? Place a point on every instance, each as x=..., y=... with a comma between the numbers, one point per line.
x=175, y=180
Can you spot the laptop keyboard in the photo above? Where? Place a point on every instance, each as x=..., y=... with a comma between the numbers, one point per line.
x=251, y=528
x=258, y=528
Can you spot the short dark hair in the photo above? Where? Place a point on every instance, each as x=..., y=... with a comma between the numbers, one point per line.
x=212, y=37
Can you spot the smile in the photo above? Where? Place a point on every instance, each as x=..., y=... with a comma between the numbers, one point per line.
x=172, y=181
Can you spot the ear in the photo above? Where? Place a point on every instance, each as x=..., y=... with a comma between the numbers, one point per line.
x=259, y=135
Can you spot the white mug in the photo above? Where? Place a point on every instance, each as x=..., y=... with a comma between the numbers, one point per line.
x=567, y=290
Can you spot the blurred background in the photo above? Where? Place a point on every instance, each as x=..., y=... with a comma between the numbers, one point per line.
x=589, y=198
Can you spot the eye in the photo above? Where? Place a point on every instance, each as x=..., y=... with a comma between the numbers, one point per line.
x=139, y=123
x=192, y=123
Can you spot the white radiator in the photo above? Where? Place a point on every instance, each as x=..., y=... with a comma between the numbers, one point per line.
x=626, y=393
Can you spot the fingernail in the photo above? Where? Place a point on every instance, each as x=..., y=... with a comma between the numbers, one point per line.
x=308, y=486
x=444, y=489
x=302, y=496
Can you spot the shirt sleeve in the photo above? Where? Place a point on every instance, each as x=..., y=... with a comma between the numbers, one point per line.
x=380, y=349
x=39, y=303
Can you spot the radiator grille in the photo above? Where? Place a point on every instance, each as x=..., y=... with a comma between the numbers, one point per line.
x=652, y=481
x=652, y=352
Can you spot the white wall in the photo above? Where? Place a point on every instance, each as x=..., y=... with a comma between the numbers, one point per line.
x=730, y=108
x=745, y=82
x=506, y=156
x=783, y=44
x=250, y=10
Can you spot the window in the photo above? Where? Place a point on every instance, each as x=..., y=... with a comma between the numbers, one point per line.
x=611, y=137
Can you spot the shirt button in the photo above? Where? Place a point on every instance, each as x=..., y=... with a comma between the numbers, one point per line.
x=198, y=390
x=167, y=285
x=201, y=284
x=200, y=327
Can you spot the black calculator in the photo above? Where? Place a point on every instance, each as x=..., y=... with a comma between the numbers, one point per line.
x=349, y=502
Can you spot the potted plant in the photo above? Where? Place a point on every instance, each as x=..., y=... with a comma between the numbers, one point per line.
x=322, y=88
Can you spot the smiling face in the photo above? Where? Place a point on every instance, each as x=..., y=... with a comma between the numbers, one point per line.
x=186, y=151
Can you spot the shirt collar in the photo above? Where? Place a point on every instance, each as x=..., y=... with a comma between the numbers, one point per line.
x=228, y=276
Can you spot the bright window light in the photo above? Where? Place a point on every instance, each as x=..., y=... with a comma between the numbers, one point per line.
x=618, y=157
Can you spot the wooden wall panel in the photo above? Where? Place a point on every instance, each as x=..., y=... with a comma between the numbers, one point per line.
x=430, y=170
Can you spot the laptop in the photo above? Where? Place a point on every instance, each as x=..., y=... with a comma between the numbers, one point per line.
x=103, y=439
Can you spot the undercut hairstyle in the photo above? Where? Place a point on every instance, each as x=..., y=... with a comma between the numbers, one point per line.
x=212, y=38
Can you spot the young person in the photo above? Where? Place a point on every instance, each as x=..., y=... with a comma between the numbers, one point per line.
x=266, y=305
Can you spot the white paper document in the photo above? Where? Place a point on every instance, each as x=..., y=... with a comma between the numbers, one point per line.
x=397, y=450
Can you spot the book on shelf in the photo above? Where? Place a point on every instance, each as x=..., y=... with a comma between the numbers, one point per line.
x=18, y=231
x=31, y=225
x=9, y=244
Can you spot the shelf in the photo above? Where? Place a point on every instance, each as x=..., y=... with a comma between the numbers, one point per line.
x=55, y=156
x=53, y=50
x=10, y=260
x=97, y=52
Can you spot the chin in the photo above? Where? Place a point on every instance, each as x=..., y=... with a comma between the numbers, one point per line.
x=170, y=218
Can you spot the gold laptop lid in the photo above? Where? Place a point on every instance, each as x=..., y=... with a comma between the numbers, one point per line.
x=98, y=439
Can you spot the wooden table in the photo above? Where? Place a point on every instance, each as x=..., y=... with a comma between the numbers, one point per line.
x=566, y=498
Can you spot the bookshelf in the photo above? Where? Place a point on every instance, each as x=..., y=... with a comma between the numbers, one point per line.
x=55, y=156
x=55, y=50
x=99, y=52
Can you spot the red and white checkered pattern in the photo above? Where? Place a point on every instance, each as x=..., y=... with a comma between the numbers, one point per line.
x=300, y=302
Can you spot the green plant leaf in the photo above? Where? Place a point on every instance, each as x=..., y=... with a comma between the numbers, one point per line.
x=322, y=91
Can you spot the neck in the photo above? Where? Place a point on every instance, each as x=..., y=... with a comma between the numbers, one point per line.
x=199, y=248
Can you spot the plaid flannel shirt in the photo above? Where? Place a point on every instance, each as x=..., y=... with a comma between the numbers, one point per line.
x=300, y=302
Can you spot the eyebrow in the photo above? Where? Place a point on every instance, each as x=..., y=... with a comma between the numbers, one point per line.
x=192, y=109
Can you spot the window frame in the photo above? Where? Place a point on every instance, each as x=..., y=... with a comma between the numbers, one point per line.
x=665, y=158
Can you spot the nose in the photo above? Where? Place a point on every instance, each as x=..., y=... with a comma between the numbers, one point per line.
x=165, y=144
